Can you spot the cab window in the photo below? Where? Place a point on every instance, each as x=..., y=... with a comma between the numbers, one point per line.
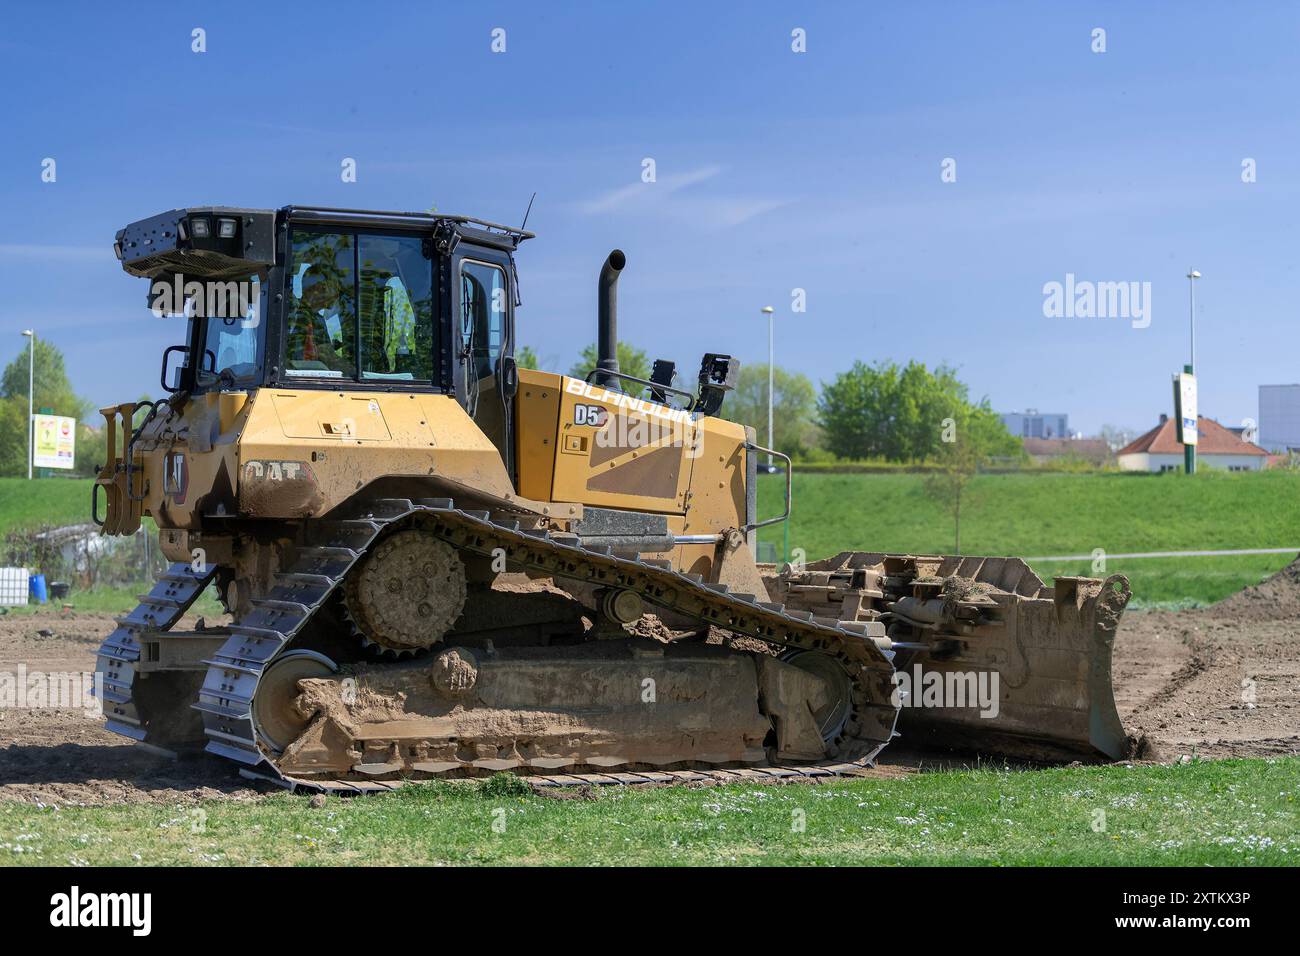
x=321, y=324
x=396, y=298
x=232, y=342
x=483, y=314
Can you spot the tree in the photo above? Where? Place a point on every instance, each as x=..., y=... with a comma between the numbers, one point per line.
x=957, y=464
x=897, y=413
x=526, y=357
x=794, y=406
x=92, y=448
x=631, y=361
x=967, y=439
x=853, y=411
x=13, y=437
x=52, y=390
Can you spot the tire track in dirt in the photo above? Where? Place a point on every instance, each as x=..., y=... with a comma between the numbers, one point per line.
x=1202, y=657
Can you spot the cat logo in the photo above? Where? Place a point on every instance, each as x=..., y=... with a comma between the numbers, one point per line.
x=594, y=415
x=176, y=476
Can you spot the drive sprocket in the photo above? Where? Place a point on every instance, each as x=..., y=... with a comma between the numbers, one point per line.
x=408, y=592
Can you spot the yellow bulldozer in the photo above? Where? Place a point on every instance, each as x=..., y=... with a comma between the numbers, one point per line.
x=437, y=563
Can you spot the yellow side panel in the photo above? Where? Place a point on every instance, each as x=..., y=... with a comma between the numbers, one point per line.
x=717, y=493
x=537, y=416
x=329, y=445
x=333, y=416
x=716, y=501
x=617, y=452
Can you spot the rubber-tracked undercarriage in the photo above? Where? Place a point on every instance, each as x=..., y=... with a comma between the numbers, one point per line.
x=437, y=564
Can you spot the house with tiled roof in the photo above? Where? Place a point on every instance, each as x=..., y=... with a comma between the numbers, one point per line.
x=1046, y=450
x=1217, y=447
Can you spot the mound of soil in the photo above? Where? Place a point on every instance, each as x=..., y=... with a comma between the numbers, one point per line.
x=1223, y=681
x=1276, y=599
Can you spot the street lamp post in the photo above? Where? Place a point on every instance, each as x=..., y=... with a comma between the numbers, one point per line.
x=771, y=377
x=31, y=382
x=1189, y=451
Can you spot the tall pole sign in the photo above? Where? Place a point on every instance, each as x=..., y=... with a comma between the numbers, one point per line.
x=1185, y=416
x=1189, y=444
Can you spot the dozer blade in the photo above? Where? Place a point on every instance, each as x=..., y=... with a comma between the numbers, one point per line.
x=989, y=659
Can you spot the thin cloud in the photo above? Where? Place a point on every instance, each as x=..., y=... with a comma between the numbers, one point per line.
x=665, y=198
x=640, y=192
x=729, y=212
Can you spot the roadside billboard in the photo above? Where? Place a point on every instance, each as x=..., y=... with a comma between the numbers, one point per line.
x=54, y=443
x=1185, y=410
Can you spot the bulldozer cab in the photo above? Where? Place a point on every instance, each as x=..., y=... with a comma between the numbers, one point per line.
x=425, y=307
x=334, y=299
x=337, y=313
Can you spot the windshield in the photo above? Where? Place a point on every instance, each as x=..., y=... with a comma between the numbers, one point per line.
x=361, y=308
x=232, y=346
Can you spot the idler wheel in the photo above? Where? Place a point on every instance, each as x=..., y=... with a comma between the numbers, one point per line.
x=834, y=713
x=275, y=718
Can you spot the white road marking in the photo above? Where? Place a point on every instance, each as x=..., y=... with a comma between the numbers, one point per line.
x=1168, y=554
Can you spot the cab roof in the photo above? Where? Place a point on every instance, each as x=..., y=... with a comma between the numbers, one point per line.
x=228, y=241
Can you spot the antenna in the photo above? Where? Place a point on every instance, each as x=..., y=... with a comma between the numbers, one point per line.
x=527, y=211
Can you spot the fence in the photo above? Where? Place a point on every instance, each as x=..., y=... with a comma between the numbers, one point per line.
x=83, y=558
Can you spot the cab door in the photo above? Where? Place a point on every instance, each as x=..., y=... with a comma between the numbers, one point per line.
x=483, y=315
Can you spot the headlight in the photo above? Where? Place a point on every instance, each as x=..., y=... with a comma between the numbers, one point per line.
x=200, y=226
x=226, y=228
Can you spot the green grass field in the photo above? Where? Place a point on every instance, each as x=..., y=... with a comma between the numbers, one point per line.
x=118, y=601
x=1018, y=514
x=56, y=502
x=1054, y=514
x=1215, y=813
x=1204, y=813
x=44, y=501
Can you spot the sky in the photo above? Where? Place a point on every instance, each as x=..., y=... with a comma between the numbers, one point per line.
x=774, y=171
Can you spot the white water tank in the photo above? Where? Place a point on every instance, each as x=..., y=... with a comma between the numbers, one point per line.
x=13, y=587
x=1279, y=418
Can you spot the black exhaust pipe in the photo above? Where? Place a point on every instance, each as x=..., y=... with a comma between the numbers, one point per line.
x=607, y=317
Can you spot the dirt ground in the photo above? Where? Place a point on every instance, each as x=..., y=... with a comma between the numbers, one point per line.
x=1222, y=681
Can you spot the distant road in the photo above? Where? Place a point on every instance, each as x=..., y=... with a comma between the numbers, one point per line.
x=1169, y=554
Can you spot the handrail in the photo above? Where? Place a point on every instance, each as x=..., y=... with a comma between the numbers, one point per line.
x=639, y=381
x=789, y=486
